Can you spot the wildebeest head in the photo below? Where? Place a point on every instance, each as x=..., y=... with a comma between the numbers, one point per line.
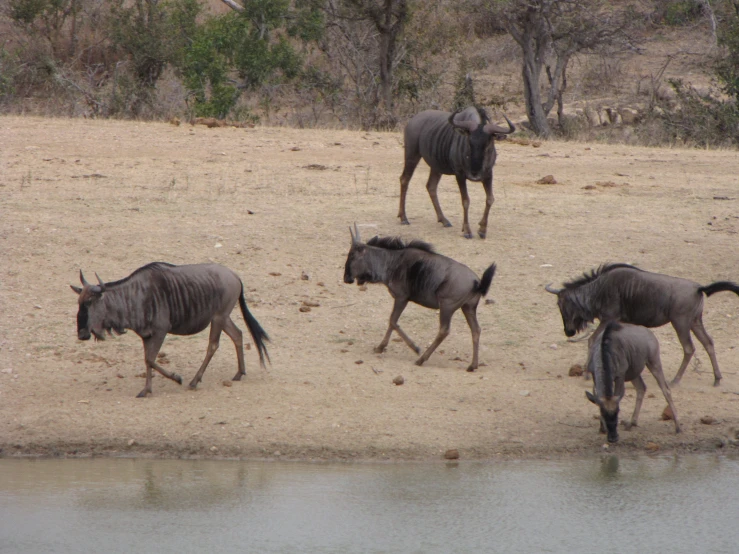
x=608, y=414
x=573, y=316
x=481, y=137
x=357, y=266
x=91, y=311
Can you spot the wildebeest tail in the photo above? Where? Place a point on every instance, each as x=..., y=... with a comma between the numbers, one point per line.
x=257, y=333
x=484, y=285
x=719, y=286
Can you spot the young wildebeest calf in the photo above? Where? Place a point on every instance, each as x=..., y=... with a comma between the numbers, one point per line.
x=617, y=355
x=161, y=298
x=629, y=294
x=413, y=272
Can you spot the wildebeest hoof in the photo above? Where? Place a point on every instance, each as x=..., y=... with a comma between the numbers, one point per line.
x=471, y=368
x=716, y=382
x=445, y=223
x=420, y=361
x=482, y=234
x=193, y=385
x=416, y=349
x=143, y=394
x=676, y=382
x=404, y=221
x=379, y=349
x=177, y=378
x=629, y=425
x=237, y=377
x=468, y=235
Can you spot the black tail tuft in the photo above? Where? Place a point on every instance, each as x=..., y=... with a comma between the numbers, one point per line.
x=719, y=286
x=487, y=278
x=257, y=333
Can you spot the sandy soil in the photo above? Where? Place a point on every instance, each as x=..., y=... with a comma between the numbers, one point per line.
x=274, y=204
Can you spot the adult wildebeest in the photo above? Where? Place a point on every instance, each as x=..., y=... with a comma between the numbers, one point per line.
x=632, y=295
x=619, y=354
x=161, y=298
x=460, y=144
x=413, y=272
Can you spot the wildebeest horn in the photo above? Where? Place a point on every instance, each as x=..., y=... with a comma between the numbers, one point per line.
x=100, y=281
x=78, y=290
x=466, y=125
x=356, y=233
x=83, y=280
x=491, y=128
x=549, y=288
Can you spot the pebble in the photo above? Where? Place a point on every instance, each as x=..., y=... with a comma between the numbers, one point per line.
x=575, y=370
x=524, y=393
x=451, y=454
x=708, y=420
x=399, y=380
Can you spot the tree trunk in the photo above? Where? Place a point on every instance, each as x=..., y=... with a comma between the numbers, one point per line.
x=531, y=72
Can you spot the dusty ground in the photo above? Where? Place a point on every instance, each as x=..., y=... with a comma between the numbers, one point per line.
x=272, y=204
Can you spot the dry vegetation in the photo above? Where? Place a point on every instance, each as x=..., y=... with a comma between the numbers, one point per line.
x=275, y=203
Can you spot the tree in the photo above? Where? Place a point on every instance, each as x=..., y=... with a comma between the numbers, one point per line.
x=550, y=33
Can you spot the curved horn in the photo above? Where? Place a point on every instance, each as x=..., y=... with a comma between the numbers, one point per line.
x=356, y=233
x=549, y=288
x=100, y=281
x=491, y=128
x=83, y=280
x=467, y=125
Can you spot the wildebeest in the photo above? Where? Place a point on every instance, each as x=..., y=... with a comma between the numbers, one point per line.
x=632, y=295
x=460, y=144
x=161, y=298
x=413, y=272
x=618, y=354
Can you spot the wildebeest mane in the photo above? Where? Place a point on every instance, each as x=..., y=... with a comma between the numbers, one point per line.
x=397, y=243
x=606, y=354
x=595, y=273
x=147, y=267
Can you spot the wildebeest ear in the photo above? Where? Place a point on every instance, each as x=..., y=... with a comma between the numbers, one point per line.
x=496, y=136
x=78, y=290
x=462, y=131
x=592, y=398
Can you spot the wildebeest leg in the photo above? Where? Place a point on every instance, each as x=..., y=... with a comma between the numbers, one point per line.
x=398, y=307
x=707, y=342
x=238, y=339
x=462, y=183
x=655, y=367
x=487, y=184
x=445, y=319
x=152, y=345
x=215, y=336
x=405, y=178
x=470, y=314
x=431, y=185
x=641, y=389
x=683, y=335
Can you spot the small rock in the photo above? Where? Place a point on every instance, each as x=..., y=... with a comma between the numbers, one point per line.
x=277, y=454
x=363, y=287
x=575, y=370
x=359, y=362
x=275, y=273
x=399, y=380
x=214, y=449
x=304, y=276
x=304, y=309
x=553, y=346
x=228, y=383
x=451, y=454
x=652, y=447
x=131, y=442
x=589, y=187
x=547, y=180
x=708, y=420
x=524, y=393
x=311, y=303
x=667, y=414
x=8, y=370
x=489, y=301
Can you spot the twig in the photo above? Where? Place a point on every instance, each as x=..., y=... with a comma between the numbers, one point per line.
x=572, y=425
x=343, y=305
x=377, y=371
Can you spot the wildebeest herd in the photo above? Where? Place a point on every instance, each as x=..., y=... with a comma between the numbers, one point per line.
x=160, y=298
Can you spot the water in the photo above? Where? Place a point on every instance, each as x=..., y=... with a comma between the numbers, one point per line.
x=607, y=505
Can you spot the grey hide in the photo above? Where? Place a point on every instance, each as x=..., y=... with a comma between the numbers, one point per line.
x=161, y=298
x=629, y=294
x=413, y=272
x=618, y=355
x=460, y=144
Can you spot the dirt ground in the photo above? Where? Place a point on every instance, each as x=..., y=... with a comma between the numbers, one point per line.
x=275, y=205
